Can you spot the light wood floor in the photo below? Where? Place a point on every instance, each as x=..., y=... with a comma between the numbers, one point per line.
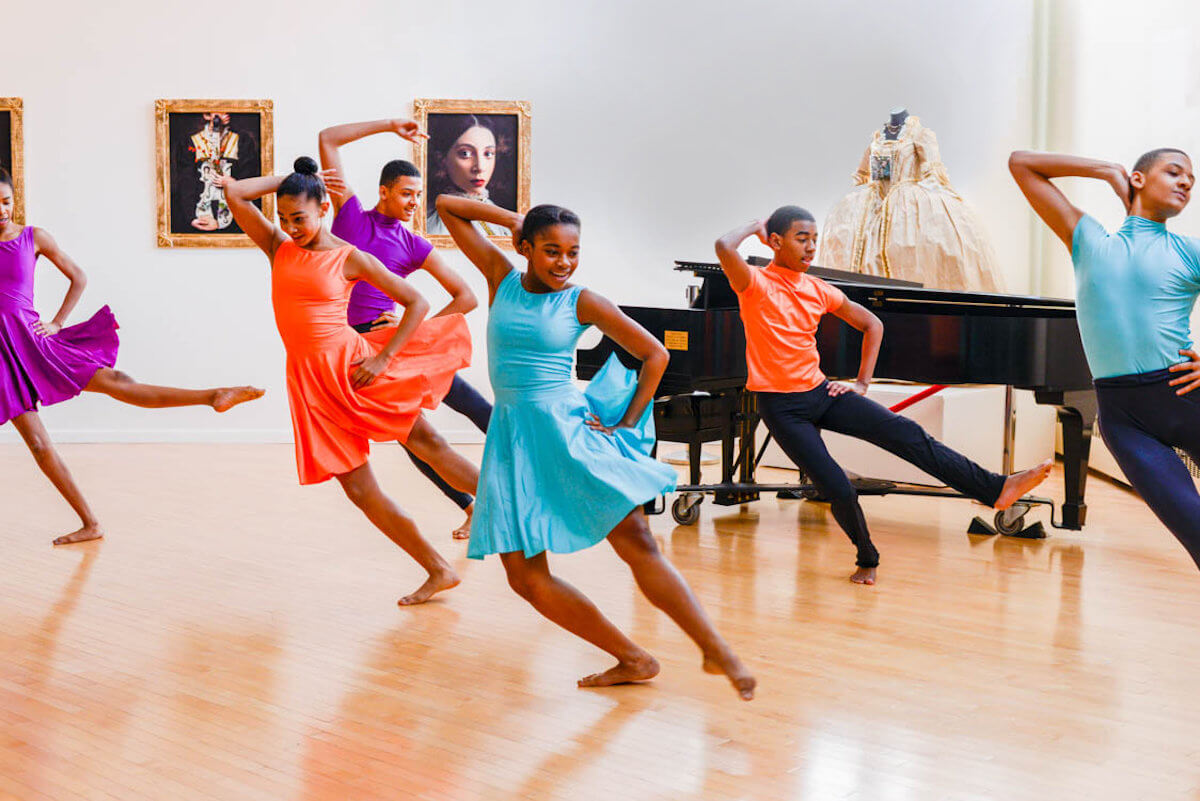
x=236, y=637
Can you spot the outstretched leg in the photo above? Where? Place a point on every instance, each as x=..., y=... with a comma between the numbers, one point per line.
x=29, y=425
x=429, y=446
x=661, y=583
x=856, y=416
x=121, y=386
x=561, y=603
x=363, y=491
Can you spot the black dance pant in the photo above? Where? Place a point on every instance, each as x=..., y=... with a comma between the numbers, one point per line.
x=796, y=420
x=1143, y=421
x=466, y=400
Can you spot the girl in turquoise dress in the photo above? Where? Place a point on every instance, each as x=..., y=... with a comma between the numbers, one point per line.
x=563, y=469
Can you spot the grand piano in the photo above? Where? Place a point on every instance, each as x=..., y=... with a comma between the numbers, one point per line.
x=930, y=336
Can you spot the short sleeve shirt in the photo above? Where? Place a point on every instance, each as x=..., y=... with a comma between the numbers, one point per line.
x=385, y=238
x=1135, y=290
x=781, y=310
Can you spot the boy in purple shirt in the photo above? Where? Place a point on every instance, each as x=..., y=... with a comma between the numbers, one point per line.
x=380, y=231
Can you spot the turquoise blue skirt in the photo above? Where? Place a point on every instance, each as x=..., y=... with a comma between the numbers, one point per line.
x=549, y=482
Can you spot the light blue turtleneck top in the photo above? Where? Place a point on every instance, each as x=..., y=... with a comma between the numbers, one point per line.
x=1135, y=290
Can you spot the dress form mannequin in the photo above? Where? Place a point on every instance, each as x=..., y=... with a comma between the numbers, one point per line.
x=904, y=219
x=891, y=128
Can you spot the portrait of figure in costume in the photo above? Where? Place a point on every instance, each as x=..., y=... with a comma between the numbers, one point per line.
x=477, y=149
x=199, y=141
x=904, y=219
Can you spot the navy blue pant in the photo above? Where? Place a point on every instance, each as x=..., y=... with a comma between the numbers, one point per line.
x=1143, y=421
x=796, y=420
x=466, y=400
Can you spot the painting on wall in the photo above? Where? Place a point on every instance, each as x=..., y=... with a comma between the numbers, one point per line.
x=195, y=142
x=477, y=149
x=12, y=152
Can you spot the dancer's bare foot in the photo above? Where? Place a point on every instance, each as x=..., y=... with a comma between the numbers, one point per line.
x=226, y=398
x=1016, y=485
x=864, y=575
x=85, y=534
x=463, y=532
x=641, y=668
x=727, y=664
x=438, y=581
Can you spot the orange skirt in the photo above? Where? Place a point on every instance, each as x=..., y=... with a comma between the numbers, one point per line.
x=334, y=423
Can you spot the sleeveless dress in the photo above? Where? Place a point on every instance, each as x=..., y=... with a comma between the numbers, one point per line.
x=36, y=369
x=548, y=481
x=333, y=422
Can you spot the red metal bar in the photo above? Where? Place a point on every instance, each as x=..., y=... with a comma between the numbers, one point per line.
x=920, y=396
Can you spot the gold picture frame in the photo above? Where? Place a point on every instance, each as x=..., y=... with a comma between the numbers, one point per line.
x=15, y=164
x=516, y=169
x=174, y=190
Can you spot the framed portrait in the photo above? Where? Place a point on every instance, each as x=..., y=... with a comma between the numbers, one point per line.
x=12, y=152
x=195, y=141
x=478, y=149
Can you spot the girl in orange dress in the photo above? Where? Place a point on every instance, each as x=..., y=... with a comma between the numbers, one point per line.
x=344, y=388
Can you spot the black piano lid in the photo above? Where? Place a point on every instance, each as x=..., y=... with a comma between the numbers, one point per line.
x=897, y=294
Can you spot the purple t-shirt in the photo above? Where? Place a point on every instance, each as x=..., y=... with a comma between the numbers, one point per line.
x=385, y=238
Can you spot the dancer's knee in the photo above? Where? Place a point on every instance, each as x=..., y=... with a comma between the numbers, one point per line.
x=424, y=440
x=528, y=584
x=633, y=541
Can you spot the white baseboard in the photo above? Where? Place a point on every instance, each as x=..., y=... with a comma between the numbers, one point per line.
x=464, y=436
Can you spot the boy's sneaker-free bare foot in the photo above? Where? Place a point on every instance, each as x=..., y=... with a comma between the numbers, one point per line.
x=640, y=668
x=226, y=398
x=1018, y=485
x=439, y=581
x=85, y=534
x=864, y=575
x=463, y=532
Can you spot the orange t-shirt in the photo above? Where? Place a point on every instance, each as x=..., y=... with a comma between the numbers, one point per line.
x=781, y=310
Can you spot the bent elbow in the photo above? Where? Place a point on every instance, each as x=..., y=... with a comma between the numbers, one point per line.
x=1017, y=160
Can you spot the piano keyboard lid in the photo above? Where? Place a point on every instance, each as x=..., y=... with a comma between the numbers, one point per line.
x=894, y=291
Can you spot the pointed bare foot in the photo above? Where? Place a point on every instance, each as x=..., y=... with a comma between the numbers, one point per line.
x=463, y=532
x=1016, y=485
x=640, y=668
x=864, y=575
x=437, y=582
x=728, y=664
x=85, y=534
x=226, y=398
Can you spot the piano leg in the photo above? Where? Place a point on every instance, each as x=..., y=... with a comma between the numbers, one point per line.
x=1077, y=421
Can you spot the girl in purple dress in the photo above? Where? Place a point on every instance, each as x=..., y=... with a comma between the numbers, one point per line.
x=43, y=363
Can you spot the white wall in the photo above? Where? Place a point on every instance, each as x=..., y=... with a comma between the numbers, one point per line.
x=662, y=124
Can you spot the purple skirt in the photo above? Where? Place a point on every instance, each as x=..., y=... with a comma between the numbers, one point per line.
x=46, y=370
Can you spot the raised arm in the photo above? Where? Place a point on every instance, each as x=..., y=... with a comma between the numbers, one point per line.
x=462, y=299
x=1034, y=171
x=362, y=266
x=735, y=267
x=458, y=213
x=592, y=309
x=249, y=218
x=45, y=245
x=330, y=141
x=860, y=317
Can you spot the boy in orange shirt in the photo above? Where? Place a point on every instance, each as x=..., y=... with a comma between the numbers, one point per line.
x=781, y=307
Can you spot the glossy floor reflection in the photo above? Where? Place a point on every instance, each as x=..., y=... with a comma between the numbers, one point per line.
x=236, y=637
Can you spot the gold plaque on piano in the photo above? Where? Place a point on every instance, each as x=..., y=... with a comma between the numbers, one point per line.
x=675, y=340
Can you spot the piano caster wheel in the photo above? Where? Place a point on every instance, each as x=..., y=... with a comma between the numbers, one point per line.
x=1011, y=521
x=686, y=508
